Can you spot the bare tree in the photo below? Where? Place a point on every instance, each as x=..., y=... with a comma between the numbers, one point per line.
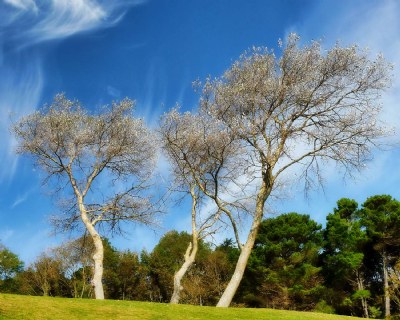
x=199, y=153
x=298, y=112
x=44, y=275
x=76, y=148
x=76, y=261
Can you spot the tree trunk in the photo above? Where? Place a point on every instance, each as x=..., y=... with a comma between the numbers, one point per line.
x=386, y=286
x=98, y=255
x=190, y=256
x=98, y=267
x=83, y=282
x=360, y=286
x=364, y=304
x=45, y=289
x=241, y=264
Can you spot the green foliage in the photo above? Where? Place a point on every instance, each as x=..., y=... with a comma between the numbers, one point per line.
x=126, y=278
x=166, y=259
x=45, y=276
x=10, y=267
x=380, y=216
x=375, y=312
x=294, y=265
x=343, y=256
x=10, y=264
x=323, y=307
x=282, y=268
x=360, y=294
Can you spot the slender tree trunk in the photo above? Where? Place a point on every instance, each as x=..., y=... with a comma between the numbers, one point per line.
x=360, y=286
x=98, y=255
x=190, y=254
x=386, y=286
x=364, y=304
x=241, y=264
x=45, y=289
x=98, y=258
x=83, y=282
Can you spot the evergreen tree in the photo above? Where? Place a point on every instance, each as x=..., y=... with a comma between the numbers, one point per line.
x=343, y=259
x=380, y=216
x=283, y=271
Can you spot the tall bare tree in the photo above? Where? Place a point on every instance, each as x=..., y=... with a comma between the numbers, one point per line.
x=78, y=148
x=299, y=112
x=200, y=154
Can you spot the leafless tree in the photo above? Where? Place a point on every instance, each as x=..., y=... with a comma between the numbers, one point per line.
x=297, y=112
x=199, y=154
x=77, y=149
x=74, y=256
x=44, y=274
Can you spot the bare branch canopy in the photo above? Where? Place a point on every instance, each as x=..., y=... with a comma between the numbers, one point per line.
x=305, y=109
x=69, y=143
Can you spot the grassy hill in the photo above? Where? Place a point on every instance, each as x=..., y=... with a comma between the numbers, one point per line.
x=42, y=308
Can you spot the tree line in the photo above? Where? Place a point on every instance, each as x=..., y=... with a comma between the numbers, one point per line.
x=351, y=267
x=267, y=122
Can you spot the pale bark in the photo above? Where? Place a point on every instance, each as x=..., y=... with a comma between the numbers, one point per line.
x=241, y=264
x=98, y=255
x=68, y=142
x=297, y=111
x=386, y=286
x=45, y=289
x=237, y=276
x=190, y=254
x=98, y=267
x=360, y=286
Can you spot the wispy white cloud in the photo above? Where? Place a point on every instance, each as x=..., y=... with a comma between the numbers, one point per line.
x=374, y=25
x=113, y=92
x=61, y=18
x=24, y=24
x=6, y=234
x=21, y=198
x=58, y=19
x=19, y=94
x=156, y=80
x=22, y=4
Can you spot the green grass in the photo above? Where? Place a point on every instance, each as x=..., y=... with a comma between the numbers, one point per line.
x=42, y=308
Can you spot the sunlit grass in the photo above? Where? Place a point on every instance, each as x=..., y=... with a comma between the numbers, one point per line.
x=42, y=308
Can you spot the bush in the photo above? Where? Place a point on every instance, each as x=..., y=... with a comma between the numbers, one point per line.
x=254, y=301
x=323, y=307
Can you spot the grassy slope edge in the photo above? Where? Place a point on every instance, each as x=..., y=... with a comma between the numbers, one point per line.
x=35, y=308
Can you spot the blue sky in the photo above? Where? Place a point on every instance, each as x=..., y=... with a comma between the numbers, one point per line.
x=151, y=51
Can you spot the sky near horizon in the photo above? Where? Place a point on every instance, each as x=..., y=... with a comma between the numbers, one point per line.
x=98, y=51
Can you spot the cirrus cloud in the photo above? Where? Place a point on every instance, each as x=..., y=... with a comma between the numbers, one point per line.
x=24, y=25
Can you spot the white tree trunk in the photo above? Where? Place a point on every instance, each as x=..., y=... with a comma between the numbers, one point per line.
x=237, y=276
x=241, y=264
x=98, y=258
x=360, y=286
x=190, y=256
x=98, y=255
x=386, y=286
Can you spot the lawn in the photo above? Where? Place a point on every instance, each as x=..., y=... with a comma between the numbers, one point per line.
x=41, y=308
